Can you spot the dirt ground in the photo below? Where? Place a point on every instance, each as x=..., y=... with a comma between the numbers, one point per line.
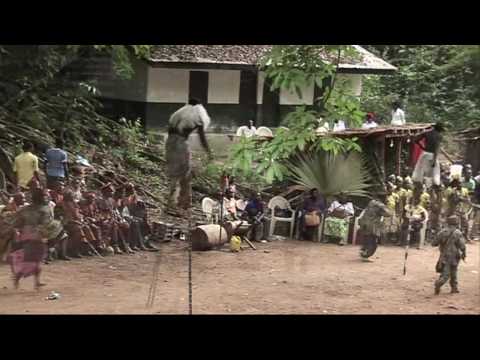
x=281, y=277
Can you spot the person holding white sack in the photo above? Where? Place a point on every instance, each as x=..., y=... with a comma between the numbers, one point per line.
x=191, y=117
x=428, y=164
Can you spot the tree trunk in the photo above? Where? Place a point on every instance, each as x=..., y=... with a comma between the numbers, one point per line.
x=6, y=166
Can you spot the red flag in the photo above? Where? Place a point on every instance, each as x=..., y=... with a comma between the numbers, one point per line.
x=417, y=152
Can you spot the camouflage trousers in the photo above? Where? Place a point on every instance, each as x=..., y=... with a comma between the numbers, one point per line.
x=465, y=226
x=449, y=272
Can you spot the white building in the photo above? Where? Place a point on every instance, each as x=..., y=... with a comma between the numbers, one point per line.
x=224, y=77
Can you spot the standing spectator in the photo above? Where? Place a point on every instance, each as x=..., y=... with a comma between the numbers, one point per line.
x=231, y=186
x=339, y=125
x=56, y=164
x=428, y=164
x=468, y=181
x=254, y=214
x=313, y=209
x=398, y=115
x=29, y=248
x=26, y=167
x=369, y=122
x=476, y=201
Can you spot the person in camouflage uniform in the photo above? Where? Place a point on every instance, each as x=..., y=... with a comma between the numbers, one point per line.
x=437, y=201
x=452, y=249
x=459, y=204
x=372, y=226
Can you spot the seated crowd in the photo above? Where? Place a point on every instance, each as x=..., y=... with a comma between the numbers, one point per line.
x=79, y=221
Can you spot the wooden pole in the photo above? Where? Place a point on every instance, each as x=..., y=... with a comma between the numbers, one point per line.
x=398, y=159
x=383, y=161
x=449, y=158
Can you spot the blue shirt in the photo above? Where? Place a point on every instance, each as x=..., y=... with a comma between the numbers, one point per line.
x=254, y=207
x=56, y=158
x=317, y=204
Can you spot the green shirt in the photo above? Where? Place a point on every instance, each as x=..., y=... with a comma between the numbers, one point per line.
x=470, y=185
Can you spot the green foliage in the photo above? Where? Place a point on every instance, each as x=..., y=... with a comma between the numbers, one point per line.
x=121, y=57
x=435, y=83
x=40, y=88
x=292, y=68
x=332, y=174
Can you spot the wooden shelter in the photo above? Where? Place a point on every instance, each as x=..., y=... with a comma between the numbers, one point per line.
x=387, y=145
x=470, y=139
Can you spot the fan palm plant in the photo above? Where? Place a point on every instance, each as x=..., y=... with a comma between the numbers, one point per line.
x=331, y=174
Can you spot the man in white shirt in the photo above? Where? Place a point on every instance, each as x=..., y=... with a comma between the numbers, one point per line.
x=247, y=131
x=339, y=125
x=398, y=115
x=370, y=122
x=341, y=207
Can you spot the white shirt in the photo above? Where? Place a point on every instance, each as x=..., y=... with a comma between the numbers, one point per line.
x=340, y=126
x=245, y=131
x=322, y=128
x=347, y=208
x=398, y=117
x=190, y=117
x=369, y=125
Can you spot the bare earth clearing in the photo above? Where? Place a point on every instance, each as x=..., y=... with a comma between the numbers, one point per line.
x=282, y=277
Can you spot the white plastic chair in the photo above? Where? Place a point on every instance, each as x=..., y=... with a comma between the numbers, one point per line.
x=263, y=131
x=283, y=204
x=210, y=210
x=241, y=204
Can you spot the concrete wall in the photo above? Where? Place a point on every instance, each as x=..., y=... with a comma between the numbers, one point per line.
x=172, y=86
x=164, y=91
x=167, y=85
x=224, y=87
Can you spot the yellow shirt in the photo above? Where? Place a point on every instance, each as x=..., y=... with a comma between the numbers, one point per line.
x=464, y=205
x=392, y=201
x=425, y=200
x=25, y=166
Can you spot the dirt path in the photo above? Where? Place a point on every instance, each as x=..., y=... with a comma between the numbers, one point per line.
x=288, y=277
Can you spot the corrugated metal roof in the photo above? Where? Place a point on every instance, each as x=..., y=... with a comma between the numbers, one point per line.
x=251, y=55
